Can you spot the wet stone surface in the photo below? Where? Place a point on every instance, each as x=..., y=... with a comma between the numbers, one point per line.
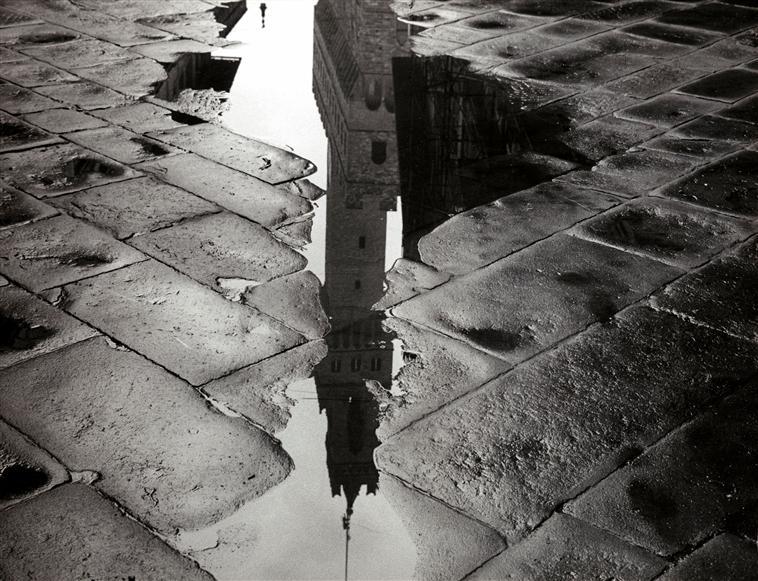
x=60, y=169
x=87, y=418
x=147, y=308
x=121, y=145
x=522, y=303
x=559, y=425
x=726, y=556
x=727, y=86
x=16, y=100
x=60, y=250
x=668, y=110
x=17, y=135
x=63, y=120
x=18, y=208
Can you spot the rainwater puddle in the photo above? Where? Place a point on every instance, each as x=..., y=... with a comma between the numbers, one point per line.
x=335, y=82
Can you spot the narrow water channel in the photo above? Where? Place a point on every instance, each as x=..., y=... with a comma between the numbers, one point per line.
x=401, y=143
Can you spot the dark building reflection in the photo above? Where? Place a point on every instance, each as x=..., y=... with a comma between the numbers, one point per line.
x=354, y=44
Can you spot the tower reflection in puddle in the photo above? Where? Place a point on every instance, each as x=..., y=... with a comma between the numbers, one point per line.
x=352, y=79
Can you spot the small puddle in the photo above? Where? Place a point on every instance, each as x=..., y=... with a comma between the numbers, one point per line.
x=337, y=84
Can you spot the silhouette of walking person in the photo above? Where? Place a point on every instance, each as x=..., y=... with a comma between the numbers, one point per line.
x=263, y=14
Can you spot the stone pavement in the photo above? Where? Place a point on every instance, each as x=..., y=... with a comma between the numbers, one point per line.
x=607, y=428
x=130, y=242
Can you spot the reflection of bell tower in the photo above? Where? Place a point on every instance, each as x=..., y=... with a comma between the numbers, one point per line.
x=353, y=48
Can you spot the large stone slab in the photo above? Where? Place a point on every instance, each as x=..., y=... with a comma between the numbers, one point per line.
x=448, y=545
x=566, y=548
x=713, y=16
x=134, y=206
x=688, y=487
x=509, y=453
x=74, y=533
x=136, y=78
x=436, y=370
x=293, y=299
x=668, y=110
x=744, y=110
x=259, y=391
x=18, y=208
x=407, y=279
x=223, y=246
x=729, y=86
x=25, y=469
x=60, y=250
x=16, y=100
x=84, y=95
x=607, y=136
x=16, y=135
x=176, y=322
x=711, y=128
x=120, y=144
x=723, y=557
x=60, y=169
x=160, y=450
x=235, y=191
x=634, y=173
x=719, y=295
x=654, y=80
x=79, y=53
x=31, y=327
x=667, y=230
x=730, y=185
x=63, y=120
x=269, y=163
x=484, y=234
x=30, y=73
x=139, y=117
x=168, y=52
x=521, y=304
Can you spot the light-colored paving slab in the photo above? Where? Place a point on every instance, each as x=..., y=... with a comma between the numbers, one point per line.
x=436, y=370
x=223, y=246
x=79, y=53
x=30, y=73
x=189, y=466
x=60, y=250
x=566, y=548
x=269, y=163
x=668, y=110
x=201, y=27
x=120, y=144
x=448, y=545
x=521, y=304
x=509, y=453
x=607, y=136
x=16, y=100
x=60, y=169
x=16, y=135
x=36, y=32
x=139, y=117
x=143, y=8
x=233, y=190
x=407, y=279
x=134, y=206
x=258, y=391
x=74, y=532
x=685, y=489
x=482, y=235
x=720, y=294
x=296, y=234
x=18, y=208
x=667, y=230
x=136, y=78
x=63, y=120
x=169, y=52
x=25, y=469
x=724, y=557
x=84, y=95
x=31, y=327
x=176, y=322
x=293, y=299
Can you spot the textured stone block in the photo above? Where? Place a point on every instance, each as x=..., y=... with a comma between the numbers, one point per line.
x=84, y=95
x=728, y=86
x=31, y=73
x=16, y=100
x=18, y=208
x=139, y=117
x=148, y=307
x=63, y=120
x=724, y=557
x=668, y=110
x=79, y=53
x=121, y=145
x=16, y=135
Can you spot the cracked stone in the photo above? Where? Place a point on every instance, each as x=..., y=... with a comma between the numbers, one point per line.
x=667, y=230
x=266, y=162
x=233, y=190
x=407, y=279
x=258, y=391
x=147, y=306
x=719, y=295
x=688, y=487
x=121, y=145
x=60, y=169
x=60, y=250
x=134, y=206
x=527, y=301
x=221, y=246
x=482, y=235
x=25, y=469
x=559, y=425
x=31, y=327
x=567, y=548
x=296, y=234
x=293, y=299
